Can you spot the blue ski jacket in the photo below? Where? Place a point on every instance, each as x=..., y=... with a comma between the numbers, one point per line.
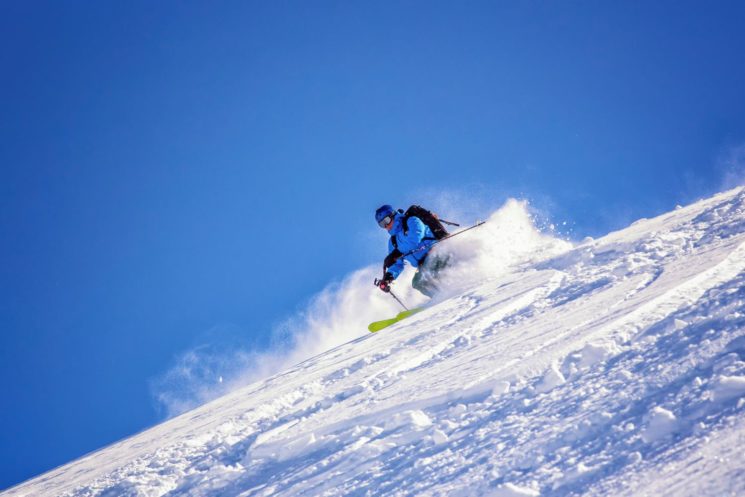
x=417, y=235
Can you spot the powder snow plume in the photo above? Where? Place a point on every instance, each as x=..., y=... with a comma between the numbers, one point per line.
x=341, y=311
x=508, y=238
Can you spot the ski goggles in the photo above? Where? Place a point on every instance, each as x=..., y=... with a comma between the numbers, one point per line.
x=385, y=221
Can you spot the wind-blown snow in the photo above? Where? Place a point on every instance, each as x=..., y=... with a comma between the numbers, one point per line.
x=616, y=367
x=342, y=311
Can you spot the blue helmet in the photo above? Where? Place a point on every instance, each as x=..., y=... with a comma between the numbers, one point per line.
x=383, y=212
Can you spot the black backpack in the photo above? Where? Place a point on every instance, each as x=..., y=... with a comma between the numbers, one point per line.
x=427, y=217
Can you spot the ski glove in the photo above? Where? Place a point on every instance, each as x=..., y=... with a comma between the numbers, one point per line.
x=385, y=283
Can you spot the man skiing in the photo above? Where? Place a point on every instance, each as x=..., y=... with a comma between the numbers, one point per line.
x=412, y=235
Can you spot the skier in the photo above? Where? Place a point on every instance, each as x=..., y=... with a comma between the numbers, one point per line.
x=412, y=235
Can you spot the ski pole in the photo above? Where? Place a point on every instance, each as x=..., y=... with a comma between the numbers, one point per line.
x=398, y=300
x=449, y=223
x=377, y=282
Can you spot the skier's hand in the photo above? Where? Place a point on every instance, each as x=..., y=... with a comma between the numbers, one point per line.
x=385, y=283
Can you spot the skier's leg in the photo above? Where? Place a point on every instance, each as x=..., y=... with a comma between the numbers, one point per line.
x=423, y=283
x=426, y=278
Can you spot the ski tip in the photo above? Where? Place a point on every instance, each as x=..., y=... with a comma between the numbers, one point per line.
x=379, y=325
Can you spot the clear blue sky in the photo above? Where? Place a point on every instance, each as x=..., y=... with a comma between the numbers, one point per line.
x=166, y=167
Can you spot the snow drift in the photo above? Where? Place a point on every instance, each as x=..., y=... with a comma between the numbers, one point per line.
x=616, y=367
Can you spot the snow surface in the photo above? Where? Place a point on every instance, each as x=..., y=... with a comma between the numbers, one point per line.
x=616, y=367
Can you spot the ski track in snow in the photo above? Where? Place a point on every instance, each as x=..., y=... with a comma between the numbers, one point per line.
x=615, y=368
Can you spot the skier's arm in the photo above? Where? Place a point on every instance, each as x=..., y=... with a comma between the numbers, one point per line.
x=398, y=266
x=391, y=259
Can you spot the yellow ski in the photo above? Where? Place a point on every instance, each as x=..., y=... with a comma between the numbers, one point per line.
x=379, y=325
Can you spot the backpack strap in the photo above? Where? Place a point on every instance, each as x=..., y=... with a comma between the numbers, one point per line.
x=404, y=221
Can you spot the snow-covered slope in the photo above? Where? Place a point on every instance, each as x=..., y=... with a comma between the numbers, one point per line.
x=614, y=368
